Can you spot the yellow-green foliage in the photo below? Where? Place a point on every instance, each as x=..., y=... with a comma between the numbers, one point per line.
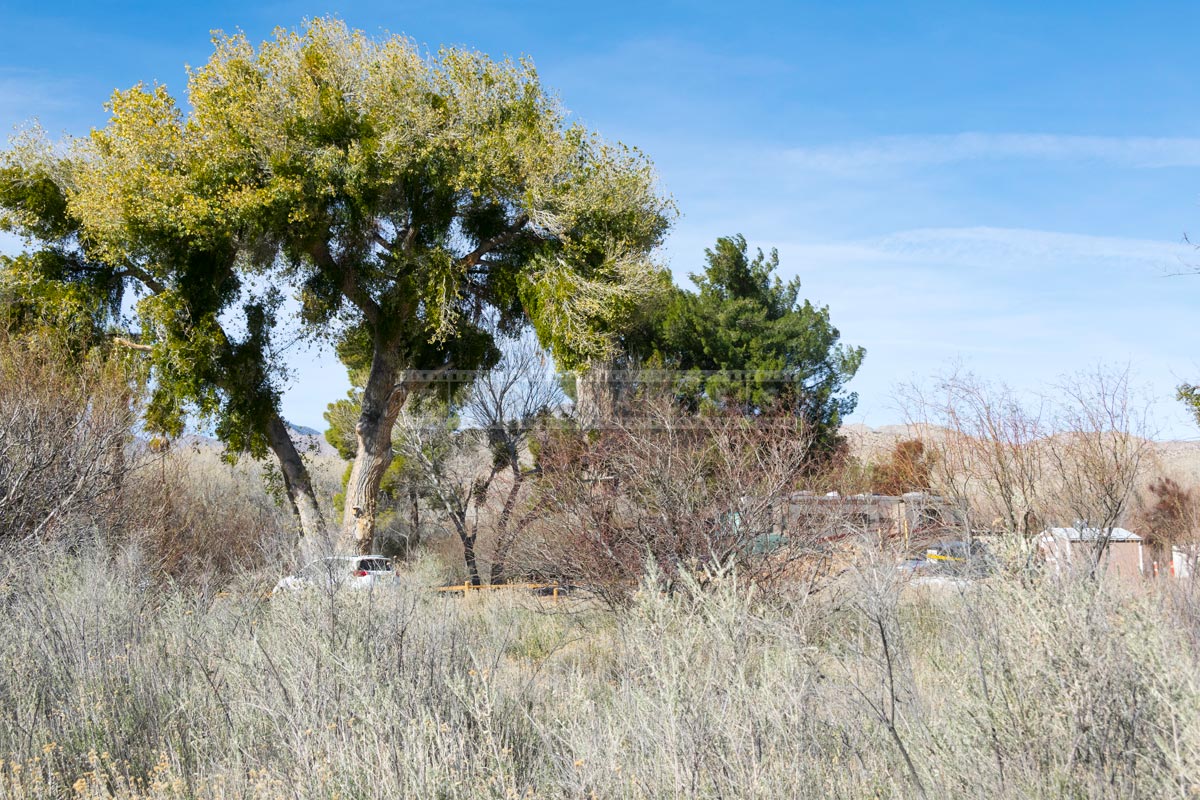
x=395, y=192
x=325, y=137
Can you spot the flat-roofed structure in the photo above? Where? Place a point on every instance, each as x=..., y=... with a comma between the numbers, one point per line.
x=1077, y=548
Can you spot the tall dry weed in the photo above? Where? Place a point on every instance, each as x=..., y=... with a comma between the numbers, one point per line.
x=1001, y=688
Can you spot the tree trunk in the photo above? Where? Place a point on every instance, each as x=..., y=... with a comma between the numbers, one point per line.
x=414, y=523
x=596, y=391
x=295, y=478
x=468, y=543
x=382, y=400
x=504, y=540
x=414, y=511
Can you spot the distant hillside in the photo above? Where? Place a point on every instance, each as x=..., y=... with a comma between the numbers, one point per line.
x=308, y=441
x=1175, y=459
x=305, y=430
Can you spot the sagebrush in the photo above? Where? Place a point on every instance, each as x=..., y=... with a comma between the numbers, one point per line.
x=113, y=688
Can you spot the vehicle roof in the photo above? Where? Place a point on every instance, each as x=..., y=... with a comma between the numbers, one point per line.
x=348, y=558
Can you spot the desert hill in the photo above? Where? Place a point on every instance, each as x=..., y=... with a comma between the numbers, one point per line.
x=1176, y=459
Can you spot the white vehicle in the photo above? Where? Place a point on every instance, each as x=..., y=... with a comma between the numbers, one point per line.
x=350, y=572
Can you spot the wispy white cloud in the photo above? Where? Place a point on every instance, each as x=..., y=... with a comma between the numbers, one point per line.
x=900, y=151
x=1018, y=247
x=1024, y=306
x=26, y=94
x=1002, y=251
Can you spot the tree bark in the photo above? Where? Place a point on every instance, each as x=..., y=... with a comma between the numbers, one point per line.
x=504, y=540
x=383, y=397
x=468, y=543
x=596, y=393
x=414, y=522
x=296, y=479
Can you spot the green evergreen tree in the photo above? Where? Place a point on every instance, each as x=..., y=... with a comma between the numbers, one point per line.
x=751, y=343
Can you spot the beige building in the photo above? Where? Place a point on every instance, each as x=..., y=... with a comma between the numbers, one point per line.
x=1076, y=548
x=915, y=515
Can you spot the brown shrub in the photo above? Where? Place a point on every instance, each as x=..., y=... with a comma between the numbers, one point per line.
x=670, y=491
x=72, y=469
x=197, y=519
x=65, y=430
x=1172, y=518
x=909, y=468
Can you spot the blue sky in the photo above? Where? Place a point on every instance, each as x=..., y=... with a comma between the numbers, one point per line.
x=1004, y=185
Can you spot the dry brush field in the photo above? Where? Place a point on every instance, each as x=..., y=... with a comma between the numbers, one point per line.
x=113, y=687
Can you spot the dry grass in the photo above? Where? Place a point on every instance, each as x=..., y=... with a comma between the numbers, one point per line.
x=110, y=687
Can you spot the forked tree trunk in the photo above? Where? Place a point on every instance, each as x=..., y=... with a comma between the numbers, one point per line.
x=296, y=480
x=505, y=538
x=383, y=397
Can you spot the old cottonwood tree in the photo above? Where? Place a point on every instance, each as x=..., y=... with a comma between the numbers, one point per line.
x=411, y=195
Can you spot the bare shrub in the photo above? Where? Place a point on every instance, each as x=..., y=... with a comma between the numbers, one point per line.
x=984, y=442
x=1101, y=441
x=71, y=467
x=509, y=403
x=1168, y=520
x=66, y=425
x=674, y=490
x=199, y=520
x=1174, y=516
x=1016, y=465
x=469, y=458
x=451, y=468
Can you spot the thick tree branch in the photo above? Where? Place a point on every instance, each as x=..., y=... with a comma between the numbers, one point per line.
x=347, y=280
x=148, y=280
x=488, y=245
x=382, y=242
x=129, y=270
x=132, y=345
